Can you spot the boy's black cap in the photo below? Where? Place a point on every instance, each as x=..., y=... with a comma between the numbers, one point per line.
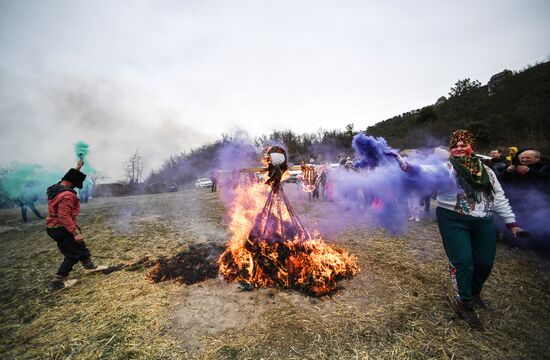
x=75, y=177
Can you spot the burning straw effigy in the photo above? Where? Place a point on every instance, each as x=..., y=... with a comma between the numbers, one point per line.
x=270, y=246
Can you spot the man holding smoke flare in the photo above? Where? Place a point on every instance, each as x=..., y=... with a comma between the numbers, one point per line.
x=465, y=219
x=63, y=208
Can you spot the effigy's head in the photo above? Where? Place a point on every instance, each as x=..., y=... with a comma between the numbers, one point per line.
x=276, y=159
x=276, y=156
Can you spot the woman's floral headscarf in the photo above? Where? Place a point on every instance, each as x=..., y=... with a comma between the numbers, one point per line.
x=462, y=135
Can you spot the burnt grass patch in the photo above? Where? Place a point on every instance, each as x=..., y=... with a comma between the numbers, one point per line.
x=197, y=263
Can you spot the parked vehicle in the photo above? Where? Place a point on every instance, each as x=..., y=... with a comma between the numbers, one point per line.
x=203, y=183
x=161, y=187
x=293, y=175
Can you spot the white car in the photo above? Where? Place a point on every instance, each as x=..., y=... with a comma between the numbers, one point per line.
x=203, y=183
x=293, y=175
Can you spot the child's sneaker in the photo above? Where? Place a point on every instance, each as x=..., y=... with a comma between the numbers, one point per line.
x=90, y=267
x=56, y=284
x=89, y=264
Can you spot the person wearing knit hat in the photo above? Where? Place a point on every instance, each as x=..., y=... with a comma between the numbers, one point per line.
x=465, y=220
x=512, y=151
x=61, y=226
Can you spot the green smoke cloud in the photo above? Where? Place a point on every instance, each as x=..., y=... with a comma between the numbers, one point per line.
x=24, y=179
x=19, y=179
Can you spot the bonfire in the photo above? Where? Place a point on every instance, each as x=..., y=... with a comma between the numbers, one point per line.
x=270, y=247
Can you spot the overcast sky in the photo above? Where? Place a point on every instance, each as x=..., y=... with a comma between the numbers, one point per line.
x=167, y=76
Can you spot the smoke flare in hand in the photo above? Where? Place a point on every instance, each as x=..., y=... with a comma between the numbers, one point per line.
x=81, y=150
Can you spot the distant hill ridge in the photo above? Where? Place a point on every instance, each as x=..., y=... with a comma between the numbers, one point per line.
x=513, y=111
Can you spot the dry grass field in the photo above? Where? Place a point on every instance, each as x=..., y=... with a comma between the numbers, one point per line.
x=397, y=307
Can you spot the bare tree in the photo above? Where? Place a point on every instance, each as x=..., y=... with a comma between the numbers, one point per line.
x=133, y=168
x=96, y=177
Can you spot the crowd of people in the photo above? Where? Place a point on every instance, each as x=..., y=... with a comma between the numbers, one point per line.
x=525, y=178
x=315, y=181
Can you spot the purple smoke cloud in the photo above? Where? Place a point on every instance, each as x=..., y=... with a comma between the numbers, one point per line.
x=370, y=151
x=379, y=187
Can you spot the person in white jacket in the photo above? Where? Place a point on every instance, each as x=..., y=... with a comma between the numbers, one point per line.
x=469, y=193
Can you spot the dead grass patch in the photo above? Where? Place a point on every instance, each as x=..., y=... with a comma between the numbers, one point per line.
x=395, y=308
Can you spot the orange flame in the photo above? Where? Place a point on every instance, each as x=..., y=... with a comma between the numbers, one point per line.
x=300, y=262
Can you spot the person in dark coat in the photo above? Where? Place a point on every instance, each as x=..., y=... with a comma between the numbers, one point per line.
x=84, y=194
x=498, y=162
x=528, y=187
x=27, y=199
x=214, y=179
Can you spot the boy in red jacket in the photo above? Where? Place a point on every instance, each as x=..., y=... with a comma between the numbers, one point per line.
x=63, y=208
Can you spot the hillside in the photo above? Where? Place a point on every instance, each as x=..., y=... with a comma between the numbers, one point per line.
x=517, y=113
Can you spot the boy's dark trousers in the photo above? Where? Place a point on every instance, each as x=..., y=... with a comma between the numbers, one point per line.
x=74, y=251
